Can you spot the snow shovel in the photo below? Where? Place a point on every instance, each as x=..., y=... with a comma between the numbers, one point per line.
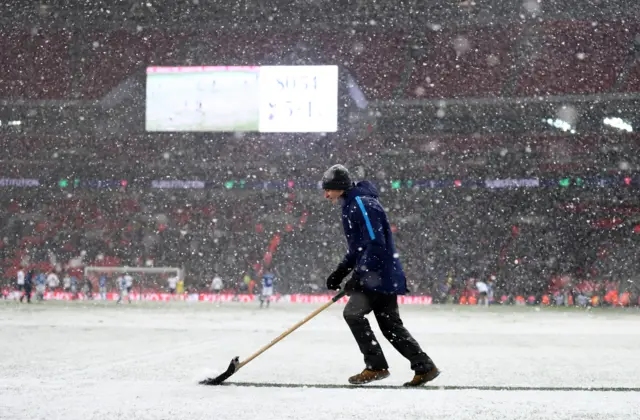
x=236, y=364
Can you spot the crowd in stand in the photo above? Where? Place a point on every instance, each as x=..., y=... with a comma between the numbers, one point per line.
x=447, y=234
x=523, y=239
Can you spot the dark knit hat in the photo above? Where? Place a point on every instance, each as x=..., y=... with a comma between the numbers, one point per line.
x=336, y=178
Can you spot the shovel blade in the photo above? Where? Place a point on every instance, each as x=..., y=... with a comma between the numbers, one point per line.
x=224, y=376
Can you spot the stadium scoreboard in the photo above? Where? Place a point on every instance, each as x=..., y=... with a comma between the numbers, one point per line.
x=267, y=99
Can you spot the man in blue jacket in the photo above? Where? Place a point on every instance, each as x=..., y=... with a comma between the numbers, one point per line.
x=377, y=280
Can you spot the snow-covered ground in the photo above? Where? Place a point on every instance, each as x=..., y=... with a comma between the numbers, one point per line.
x=142, y=361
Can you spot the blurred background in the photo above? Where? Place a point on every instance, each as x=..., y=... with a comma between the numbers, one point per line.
x=502, y=136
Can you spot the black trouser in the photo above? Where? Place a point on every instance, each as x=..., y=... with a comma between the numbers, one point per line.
x=385, y=309
x=27, y=294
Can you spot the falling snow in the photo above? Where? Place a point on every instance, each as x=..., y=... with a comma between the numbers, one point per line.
x=185, y=141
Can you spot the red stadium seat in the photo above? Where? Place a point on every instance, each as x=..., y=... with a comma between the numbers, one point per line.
x=575, y=58
x=463, y=63
x=478, y=61
x=376, y=59
x=108, y=58
x=36, y=65
x=632, y=83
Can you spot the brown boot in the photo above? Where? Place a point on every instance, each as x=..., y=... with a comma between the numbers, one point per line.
x=367, y=376
x=423, y=378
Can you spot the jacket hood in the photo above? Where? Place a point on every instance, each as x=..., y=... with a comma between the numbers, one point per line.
x=362, y=188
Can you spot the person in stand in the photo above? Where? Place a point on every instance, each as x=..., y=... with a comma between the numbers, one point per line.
x=377, y=280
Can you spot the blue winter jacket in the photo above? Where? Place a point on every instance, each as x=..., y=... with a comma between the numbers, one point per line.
x=372, y=254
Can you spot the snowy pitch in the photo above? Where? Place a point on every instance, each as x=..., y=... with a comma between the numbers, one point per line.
x=73, y=360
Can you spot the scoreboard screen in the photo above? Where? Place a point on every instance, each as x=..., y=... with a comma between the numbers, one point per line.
x=266, y=99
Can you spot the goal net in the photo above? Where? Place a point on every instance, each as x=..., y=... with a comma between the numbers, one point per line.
x=145, y=279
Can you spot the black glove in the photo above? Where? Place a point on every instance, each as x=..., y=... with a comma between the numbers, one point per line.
x=334, y=280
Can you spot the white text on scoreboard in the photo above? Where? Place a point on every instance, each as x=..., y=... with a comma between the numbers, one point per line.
x=298, y=98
